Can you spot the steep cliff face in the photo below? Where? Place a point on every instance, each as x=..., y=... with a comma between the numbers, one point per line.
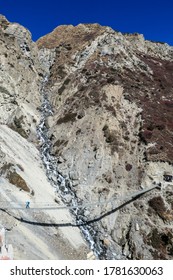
x=108, y=133
x=111, y=132
x=20, y=81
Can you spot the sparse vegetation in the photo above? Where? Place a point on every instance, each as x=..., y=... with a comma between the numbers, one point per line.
x=108, y=177
x=61, y=71
x=59, y=145
x=162, y=242
x=111, y=138
x=68, y=117
x=5, y=168
x=128, y=166
x=67, y=81
x=15, y=179
x=61, y=89
x=158, y=205
x=110, y=109
x=17, y=126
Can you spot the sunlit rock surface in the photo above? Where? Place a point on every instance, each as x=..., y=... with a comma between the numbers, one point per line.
x=108, y=135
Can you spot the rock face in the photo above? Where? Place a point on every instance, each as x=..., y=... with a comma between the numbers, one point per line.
x=110, y=131
x=36, y=233
x=19, y=80
x=112, y=128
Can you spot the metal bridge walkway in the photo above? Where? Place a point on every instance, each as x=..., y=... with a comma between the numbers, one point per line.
x=50, y=206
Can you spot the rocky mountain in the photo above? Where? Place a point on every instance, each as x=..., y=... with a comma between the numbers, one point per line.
x=86, y=127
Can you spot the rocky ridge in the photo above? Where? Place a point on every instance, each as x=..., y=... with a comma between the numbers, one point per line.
x=110, y=129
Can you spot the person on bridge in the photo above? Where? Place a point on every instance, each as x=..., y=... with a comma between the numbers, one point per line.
x=27, y=205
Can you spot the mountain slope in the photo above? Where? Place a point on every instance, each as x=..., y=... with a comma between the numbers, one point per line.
x=97, y=105
x=112, y=131
x=39, y=233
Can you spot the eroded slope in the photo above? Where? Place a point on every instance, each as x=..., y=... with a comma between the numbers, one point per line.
x=112, y=133
x=37, y=233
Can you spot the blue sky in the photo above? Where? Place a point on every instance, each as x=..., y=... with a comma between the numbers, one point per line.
x=152, y=18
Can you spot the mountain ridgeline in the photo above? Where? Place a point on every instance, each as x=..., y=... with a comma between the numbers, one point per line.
x=92, y=110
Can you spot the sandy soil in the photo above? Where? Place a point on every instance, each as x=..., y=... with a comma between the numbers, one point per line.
x=35, y=234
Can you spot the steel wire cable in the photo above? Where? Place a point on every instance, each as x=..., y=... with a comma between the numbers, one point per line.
x=53, y=206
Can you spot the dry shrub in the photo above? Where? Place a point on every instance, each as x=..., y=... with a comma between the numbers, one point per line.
x=15, y=179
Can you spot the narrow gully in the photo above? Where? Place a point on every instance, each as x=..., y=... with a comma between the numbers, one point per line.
x=61, y=184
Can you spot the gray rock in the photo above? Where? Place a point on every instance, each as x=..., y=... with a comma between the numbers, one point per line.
x=74, y=175
x=60, y=159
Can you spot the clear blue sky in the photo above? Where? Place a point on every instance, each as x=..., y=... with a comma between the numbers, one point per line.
x=153, y=18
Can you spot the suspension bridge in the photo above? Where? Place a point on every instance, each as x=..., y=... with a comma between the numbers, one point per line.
x=10, y=205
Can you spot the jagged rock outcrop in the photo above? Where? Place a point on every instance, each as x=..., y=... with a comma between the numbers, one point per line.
x=20, y=80
x=110, y=134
